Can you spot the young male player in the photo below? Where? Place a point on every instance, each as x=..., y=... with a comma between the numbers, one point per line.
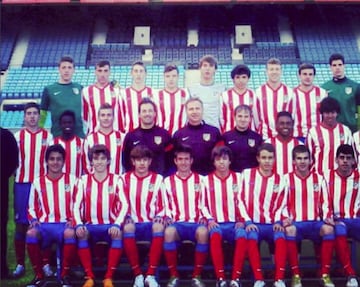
x=187, y=215
x=309, y=214
x=50, y=215
x=264, y=195
x=144, y=221
x=239, y=94
x=343, y=185
x=61, y=96
x=94, y=96
x=72, y=144
x=32, y=143
x=229, y=216
x=100, y=207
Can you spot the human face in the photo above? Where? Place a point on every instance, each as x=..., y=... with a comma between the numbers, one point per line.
x=337, y=68
x=242, y=120
x=102, y=75
x=329, y=119
x=207, y=71
x=266, y=161
x=55, y=163
x=285, y=126
x=241, y=81
x=138, y=74
x=183, y=162
x=306, y=77
x=100, y=162
x=345, y=163
x=147, y=114
x=141, y=165
x=66, y=71
x=194, y=112
x=302, y=162
x=273, y=72
x=67, y=125
x=106, y=118
x=171, y=80
x=31, y=118
x=222, y=163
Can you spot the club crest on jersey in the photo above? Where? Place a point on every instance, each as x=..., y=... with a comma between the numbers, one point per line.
x=111, y=189
x=348, y=90
x=197, y=187
x=118, y=142
x=251, y=142
x=75, y=91
x=43, y=142
x=355, y=185
x=67, y=187
x=276, y=188
x=235, y=187
x=316, y=187
x=78, y=149
x=151, y=187
x=158, y=140
x=286, y=98
x=206, y=137
x=342, y=137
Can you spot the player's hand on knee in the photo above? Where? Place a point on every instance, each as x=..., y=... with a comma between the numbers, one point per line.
x=251, y=227
x=212, y=224
x=287, y=222
x=34, y=224
x=129, y=220
x=278, y=228
x=329, y=221
x=81, y=231
x=239, y=225
x=114, y=231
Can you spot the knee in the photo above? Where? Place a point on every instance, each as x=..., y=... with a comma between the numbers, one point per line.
x=202, y=234
x=290, y=230
x=157, y=227
x=326, y=230
x=69, y=233
x=170, y=234
x=129, y=228
x=32, y=232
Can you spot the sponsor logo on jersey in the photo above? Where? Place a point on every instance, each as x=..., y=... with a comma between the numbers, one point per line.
x=158, y=140
x=57, y=93
x=348, y=90
x=76, y=91
x=136, y=142
x=231, y=142
x=206, y=137
x=251, y=142
x=184, y=138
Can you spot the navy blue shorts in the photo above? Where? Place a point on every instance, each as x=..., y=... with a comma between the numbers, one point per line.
x=51, y=233
x=186, y=230
x=21, y=202
x=308, y=230
x=99, y=232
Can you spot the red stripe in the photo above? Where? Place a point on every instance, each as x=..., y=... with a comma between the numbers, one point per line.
x=57, y=211
x=87, y=198
x=292, y=196
x=99, y=186
x=186, y=199
x=129, y=110
x=68, y=197
x=22, y=155
x=211, y=195
x=43, y=193
x=92, y=115
x=225, y=199
x=32, y=157
x=138, y=197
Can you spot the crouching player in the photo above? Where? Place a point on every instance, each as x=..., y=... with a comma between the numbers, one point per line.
x=264, y=196
x=229, y=213
x=100, y=207
x=308, y=215
x=50, y=212
x=145, y=217
x=185, y=209
x=343, y=186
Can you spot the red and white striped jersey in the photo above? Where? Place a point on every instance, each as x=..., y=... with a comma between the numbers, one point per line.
x=269, y=103
x=171, y=109
x=356, y=137
x=50, y=200
x=283, y=153
x=307, y=198
x=305, y=108
x=264, y=196
x=32, y=147
x=323, y=142
x=223, y=200
x=74, y=154
x=92, y=98
x=344, y=193
x=230, y=99
x=185, y=198
x=129, y=106
x=145, y=196
x=99, y=202
x=113, y=142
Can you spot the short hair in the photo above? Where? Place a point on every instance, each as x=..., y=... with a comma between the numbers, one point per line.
x=105, y=106
x=66, y=59
x=55, y=148
x=141, y=151
x=102, y=63
x=171, y=67
x=345, y=149
x=209, y=59
x=240, y=70
x=265, y=146
x=243, y=108
x=145, y=101
x=138, y=63
x=183, y=148
x=31, y=105
x=194, y=99
x=99, y=149
x=284, y=114
x=306, y=66
x=336, y=56
x=221, y=151
x=67, y=113
x=328, y=105
x=273, y=61
x=300, y=149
